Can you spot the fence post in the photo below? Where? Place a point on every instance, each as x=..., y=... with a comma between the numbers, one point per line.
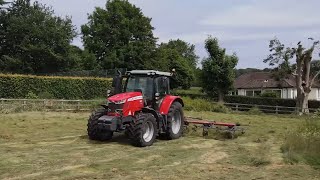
x=277, y=109
x=44, y=105
x=62, y=105
x=78, y=105
x=24, y=104
x=2, y=103
x=237, y=107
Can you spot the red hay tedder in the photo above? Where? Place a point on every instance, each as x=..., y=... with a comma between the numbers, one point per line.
x=229, y=128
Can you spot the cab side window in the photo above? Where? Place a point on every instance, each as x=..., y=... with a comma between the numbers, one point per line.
x=163, y=86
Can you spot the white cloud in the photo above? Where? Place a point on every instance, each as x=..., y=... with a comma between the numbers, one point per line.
x=271, y=13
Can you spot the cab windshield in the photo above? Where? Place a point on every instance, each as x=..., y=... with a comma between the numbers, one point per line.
x=140, y=84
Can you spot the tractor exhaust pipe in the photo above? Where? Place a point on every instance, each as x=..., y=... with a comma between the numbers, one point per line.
x=117, y=83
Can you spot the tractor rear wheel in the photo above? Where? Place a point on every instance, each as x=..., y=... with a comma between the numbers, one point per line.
x=175, y=121
x=95, y=130
x=143, y=131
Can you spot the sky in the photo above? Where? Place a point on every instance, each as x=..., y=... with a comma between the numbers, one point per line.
x=244, y=27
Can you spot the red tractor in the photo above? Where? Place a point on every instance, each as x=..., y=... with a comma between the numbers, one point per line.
x=143, y=109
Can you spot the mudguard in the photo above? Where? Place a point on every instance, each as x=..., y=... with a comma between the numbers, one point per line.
x=166, y=103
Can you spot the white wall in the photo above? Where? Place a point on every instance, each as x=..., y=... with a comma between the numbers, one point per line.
x=241, y=92
x=290, y=93
x=314, y=94
x=284, y=94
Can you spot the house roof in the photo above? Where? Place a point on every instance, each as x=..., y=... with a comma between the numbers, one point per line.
x=264, y=80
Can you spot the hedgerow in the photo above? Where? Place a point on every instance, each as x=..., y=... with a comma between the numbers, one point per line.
x=21, y=86
x=268, y=101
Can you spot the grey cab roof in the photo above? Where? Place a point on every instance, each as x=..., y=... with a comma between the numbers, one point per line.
x=149, y=72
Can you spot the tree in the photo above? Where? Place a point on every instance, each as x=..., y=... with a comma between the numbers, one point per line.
x=218, y=70
x=120, y=36
x=33, y=40
x=178, y=55
x=197, y=77
x=2, y=2
x=186, y=50
x=84, y=59
x=282, y=56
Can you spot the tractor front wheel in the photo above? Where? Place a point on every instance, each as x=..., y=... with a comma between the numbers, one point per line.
x=175, y=121
x=95, y=130
x=143, y=131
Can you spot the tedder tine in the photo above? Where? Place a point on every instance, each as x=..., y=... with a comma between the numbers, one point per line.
x=228, y=128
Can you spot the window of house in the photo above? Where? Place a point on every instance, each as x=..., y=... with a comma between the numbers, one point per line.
x=249, y=93
x=276, y=91
x=253, y=93
x=257, y=93
x=234, y=93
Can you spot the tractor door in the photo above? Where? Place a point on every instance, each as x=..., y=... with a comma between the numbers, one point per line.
x=161, y=90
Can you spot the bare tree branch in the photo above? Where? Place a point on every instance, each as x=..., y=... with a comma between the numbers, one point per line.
x=312, y=81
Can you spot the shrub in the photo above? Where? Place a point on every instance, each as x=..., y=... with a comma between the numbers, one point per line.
x=203, y=105
x=316, y=114
x=195, y=93
x=45, y=95
x=303, y=144
x=270, y=95
x=19, y=86
x=255, y=111
x=31, y=95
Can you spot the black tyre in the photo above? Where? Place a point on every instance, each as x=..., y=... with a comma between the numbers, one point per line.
x=175, y=121
x=95, y=130
x=143, y=131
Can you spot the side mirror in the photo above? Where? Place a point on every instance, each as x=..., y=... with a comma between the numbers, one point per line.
x=157, y=96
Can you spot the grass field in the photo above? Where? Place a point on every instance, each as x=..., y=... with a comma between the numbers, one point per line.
x=42, y=145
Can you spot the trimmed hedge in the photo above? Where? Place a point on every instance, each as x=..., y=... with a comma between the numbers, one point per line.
x=268, y=101
x=192, y=93
x=203, y=105
x=21, y=86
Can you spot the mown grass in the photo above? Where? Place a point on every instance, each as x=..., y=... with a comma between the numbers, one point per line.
x=48, y=145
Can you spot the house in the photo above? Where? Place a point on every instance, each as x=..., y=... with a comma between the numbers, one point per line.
x=255, y=83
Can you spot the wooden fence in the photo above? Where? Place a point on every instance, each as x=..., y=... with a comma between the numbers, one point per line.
x=19, y=105
x=266, y=108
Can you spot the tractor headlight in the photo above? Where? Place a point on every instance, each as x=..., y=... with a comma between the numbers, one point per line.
x=120, y=102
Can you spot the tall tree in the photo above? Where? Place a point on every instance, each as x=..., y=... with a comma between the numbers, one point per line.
x=218, y=70
x=283, y=56
x=120, y=36
x=178, y=55
x=33, y=40
x=186, y=50
x=2, y=2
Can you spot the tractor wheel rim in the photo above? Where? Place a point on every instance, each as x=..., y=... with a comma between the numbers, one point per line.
x=148, y=131
x=176, y=122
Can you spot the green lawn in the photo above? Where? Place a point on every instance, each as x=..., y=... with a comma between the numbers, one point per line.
x=39, y=145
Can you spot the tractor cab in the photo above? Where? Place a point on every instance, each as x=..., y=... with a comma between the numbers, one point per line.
x=154, y=85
